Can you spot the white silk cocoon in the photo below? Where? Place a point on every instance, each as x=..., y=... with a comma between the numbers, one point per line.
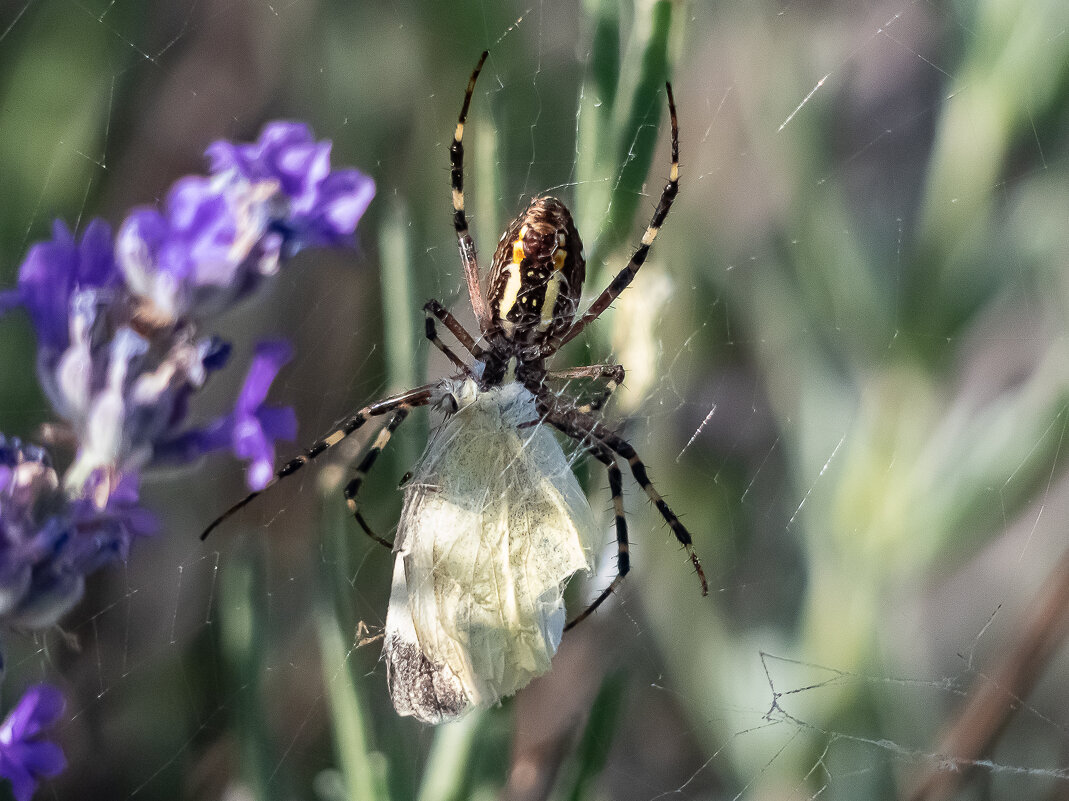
x=494, y=524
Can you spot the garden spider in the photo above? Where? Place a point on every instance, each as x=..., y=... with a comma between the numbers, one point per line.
x=494, y=522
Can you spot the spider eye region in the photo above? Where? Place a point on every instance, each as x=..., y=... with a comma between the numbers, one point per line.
x=537, y=273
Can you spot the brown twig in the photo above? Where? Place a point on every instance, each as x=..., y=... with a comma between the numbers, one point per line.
x=996, y=696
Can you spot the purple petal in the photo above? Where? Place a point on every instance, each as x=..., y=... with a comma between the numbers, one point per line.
x=324, y=207
x=344, y=197
x=260, y=159
x=254, y=441
x=250, y=430
x=140, y=237
x=23, y=761
x=96, y=257
x=203, y=231
x=251, y=445
x=40, y=707
x=56, y=269
x=299, y=166
x=268, y=360
x=278, y=422
x=191, y=445
x=23, y=784
x=42, y=758
x=256, y=427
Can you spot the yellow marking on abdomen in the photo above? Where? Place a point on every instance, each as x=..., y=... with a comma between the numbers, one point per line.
x=517, y=246
x=549, y=303
x=511, y=291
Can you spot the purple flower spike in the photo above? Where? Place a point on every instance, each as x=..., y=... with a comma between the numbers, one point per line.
x=24, y=760
x=121, y=354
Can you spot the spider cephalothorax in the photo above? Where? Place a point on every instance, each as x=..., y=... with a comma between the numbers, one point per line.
x=494, y=523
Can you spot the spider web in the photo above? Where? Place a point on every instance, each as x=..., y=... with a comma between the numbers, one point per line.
x=846, y=367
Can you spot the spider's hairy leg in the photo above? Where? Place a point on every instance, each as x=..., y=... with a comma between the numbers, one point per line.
x=638, y=470
x=434, y=309
x=623, y=554
x=460, y=222
x=420, y=396
x=589, y=431
x=613, y=374
x=362, y=470
x=625, y=276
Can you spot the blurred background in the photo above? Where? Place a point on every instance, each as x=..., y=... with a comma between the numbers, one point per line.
x=848, y=372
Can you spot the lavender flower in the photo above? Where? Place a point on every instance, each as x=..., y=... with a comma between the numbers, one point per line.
x=119, y=353
x=120, y=356
x=25, y=758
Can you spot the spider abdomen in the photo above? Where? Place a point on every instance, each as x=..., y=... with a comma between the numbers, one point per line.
x=537, y=274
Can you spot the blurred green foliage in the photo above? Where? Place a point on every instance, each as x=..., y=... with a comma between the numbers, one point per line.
x=847, y=360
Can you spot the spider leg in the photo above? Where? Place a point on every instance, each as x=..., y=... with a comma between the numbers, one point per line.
x=586, y=429
x=623, y=448
x=623, y=556
x=420, y=396
x=454, y=326
x=626, y=275
x=353, y=487
x=460, y=222
x=612, y=373
x=432, y=335
x=433, y=307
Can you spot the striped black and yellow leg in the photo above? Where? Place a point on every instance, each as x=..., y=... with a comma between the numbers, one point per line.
x=624, y=278
x=420, y=396
x=460, y=222
x=613, y=374
x=592, y=433
x=623, y=555
x=352, y=489
x=638, y=470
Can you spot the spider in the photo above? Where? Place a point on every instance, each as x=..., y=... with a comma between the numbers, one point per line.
x=494, y=522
